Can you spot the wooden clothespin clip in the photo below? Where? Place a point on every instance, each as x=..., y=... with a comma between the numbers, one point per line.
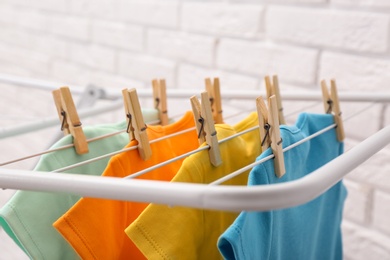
x=332, y=106
x=160, y=100
x=273, y=89
x=136, y=126
x=214, y=92
x=205, y=126
x=270, y=132
x=70, y=121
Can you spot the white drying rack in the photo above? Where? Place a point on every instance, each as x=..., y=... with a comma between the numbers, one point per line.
x=229, y=198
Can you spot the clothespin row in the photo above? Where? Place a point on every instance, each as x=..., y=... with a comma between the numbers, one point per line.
x=272, y=88
x=332, y=106
x=136, y=126
x=214, y=92
x=70, y=121
x=270, y=132
x=160, y=100
x=205, y=126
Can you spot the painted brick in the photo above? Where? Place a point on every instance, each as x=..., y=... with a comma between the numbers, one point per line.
x=93, y=56
x=354, y=115
x=8, y=14
x=69, y=72
x=374, y=171
x=190, y=76
x=31, y=19
x=363, y=3
x=297, y=65
x=386, y=116
x=119, y=35
x=35, y=41
x=107, y=9
x=14, y=69
x=111, y=81
x=70, y=26
x=151, y=12
x=357, y=202
x=348, y=30
x=181, y=46
x=354, y=72
x=37, y=63
x=300, y=1
x=49, y=5
x=360, y=243
x=146, y=68
x=222, y=19
x=381, y=211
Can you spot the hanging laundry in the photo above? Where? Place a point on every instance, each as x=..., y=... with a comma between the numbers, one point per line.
x=28, y=216
x=309, y=231
x=164, y=232
x=95, y=227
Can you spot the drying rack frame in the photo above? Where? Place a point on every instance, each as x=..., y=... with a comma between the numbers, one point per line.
x=227, y=198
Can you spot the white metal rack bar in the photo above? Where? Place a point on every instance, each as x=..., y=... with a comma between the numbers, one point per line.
x=172, y=93
x=229, y=198
x=309, y=95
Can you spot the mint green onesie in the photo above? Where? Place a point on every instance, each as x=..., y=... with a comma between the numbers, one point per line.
x=28, y=216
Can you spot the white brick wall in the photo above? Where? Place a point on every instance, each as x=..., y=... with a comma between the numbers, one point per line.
x=77, y=28
x=381, y=211
x=263, y=59
x=122, y=43
x=118, y=35
x=355, y=31
x=356, y=72
x=139, y=67
x=180, y=46
x=150, y=12
x=221, y=19
x=93, y=56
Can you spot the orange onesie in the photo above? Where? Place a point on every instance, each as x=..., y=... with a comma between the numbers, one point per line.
x=95, y=227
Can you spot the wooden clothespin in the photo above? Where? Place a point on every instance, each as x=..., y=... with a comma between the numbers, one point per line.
x=205, y=126
x=332, y=106
x=70, y=121
x=136, y=126
x=160, y=100
x=270, y=132
x=273, y=89
x=214, y=92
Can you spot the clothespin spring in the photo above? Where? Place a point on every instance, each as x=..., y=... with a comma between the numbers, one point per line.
x=330, y=108
x=267, y=127
x=130, y=125
x=201, y=121
x=63, y=114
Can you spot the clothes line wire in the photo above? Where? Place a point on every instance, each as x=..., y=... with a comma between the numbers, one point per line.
x=215, y=197
x=121, y=151
x=170, y=160
x=134, y=175
x=163, y=163
x=132, y=148
x=129, y=149
x=206, y=147
x=89, y=140
x=250, y=166
x=68, y=146
x=240, y=171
